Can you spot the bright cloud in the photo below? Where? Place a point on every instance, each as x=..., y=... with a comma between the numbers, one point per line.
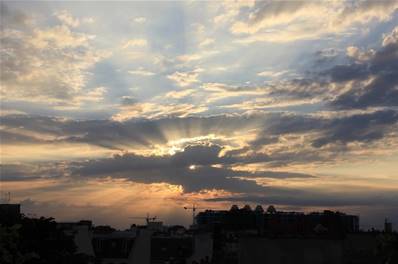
x=184, y=78
x=139, y=20
x=66, y=18
x=283, y=21
x=141, y=71
x=135, y=43
x=47, y=65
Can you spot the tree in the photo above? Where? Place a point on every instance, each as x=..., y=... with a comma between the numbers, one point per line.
x=38, y=241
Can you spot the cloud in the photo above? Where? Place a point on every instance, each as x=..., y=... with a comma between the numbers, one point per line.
x=246, y=133
x=88, y=20
x=229, y=10
x=367, y=79
x=180, y=94
x=272, y=73
x=206, y=42
x=286, y=21
x=222, y=161
x=358, y=55
x=141, y=71
x=173, y=169
x=139, y=20
x=267, y=14
x=59, y=37
x=392, y=38
x=361, y=128
x=25, y=172
x=218, y=91
x=66, y=18
x=5, y=112
x=189, y=57
x=176, y=169
x=184, y=78
x=120, y=135
x=372, y=77
x=154, y=110
x=49, y=65
x=95, y=95
x=327, y=55
x=139, y=42
x=262, y=140
x=198, y=56
x=16, y=18
x=311, y=88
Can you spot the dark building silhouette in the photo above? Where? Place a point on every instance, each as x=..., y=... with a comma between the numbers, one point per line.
x=236, y=236
x=116, y=245
x=387, y=226
x=246, y=236
x=151, y=244
x=171, y=248
x=277, y=223
x=10, y=214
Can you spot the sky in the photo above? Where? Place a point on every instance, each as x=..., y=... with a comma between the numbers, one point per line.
x=112, y=110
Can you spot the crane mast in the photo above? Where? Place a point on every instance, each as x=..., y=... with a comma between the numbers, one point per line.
x=193, y=208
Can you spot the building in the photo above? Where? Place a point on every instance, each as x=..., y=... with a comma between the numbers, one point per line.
x=115, y=247
x=10, y=214
x=82, y=234
x=258, y=250
x=387, y=226
x=172, y=249
x=243, y=235
x=355, y=248
x=151, y=244
x=277, y=223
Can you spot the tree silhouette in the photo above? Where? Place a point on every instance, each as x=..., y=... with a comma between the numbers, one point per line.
x=38, y=241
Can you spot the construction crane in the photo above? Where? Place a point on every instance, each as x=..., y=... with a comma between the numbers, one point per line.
x=147, y=218
x=193, y=208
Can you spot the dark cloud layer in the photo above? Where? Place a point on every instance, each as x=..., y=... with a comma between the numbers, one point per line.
x=118, y=135
x=382, y=90
x=362, y=127
x=359, y=127
x=21, y=172
x=175, y=169
x=367, y=78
